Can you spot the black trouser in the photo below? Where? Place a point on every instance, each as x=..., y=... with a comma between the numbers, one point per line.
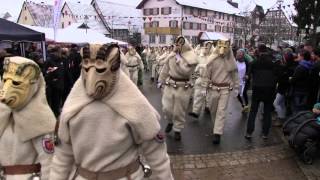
x=54, y=97
x=260, y=95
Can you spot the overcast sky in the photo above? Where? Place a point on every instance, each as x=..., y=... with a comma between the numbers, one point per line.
x=14, y=6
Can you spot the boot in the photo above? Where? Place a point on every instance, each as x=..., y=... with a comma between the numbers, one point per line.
x=216, y=139
x=192, y=114
x=177, y=136
x=169, y=127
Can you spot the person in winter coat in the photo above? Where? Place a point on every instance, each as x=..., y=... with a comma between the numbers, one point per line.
x=300, y=82
x=74, y=62
x=54, y=76
x=106, y=123
x=27, y=123
x=264, y=75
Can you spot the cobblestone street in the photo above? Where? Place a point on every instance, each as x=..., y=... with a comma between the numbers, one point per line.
x=195, y=158
x=276, y=162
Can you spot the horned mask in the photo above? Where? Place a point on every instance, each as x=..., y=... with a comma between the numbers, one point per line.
x=20, y=82
x=100, y=67
x=223, y=47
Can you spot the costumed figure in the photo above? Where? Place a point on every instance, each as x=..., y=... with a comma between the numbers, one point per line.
x=152, y=56
x=106, y=124
x=134, y=64
x=27, y=123
x=145, y=54
x=223, y=78
x=201, y=76
x=161, y=59
x=175, y=75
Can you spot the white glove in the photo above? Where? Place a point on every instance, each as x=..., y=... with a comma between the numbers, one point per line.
x=236, y=92
x=159, y=85
x=203, y=93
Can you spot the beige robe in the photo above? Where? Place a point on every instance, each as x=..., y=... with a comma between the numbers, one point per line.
x=175, y=100
x=221, y=70
x=133, y=65
x=103, y=135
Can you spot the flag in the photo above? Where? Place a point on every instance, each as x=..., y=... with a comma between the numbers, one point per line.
x=56, y=16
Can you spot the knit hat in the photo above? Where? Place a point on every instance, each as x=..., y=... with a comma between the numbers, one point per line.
x=316, y=106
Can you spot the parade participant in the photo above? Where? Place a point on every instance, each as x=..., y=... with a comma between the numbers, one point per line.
x=134, y=64
x=175, y=75
x=152, y=62
x=106, y=123
x=200, y=88
x=223, y=78
x=161, y=59
x=145, y=53
x=26, y=122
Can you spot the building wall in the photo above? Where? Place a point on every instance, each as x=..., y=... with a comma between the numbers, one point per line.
x=66, y=18
x=25, y=16
x=175, y=12
x=198, y=24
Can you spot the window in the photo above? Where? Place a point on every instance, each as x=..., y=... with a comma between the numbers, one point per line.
x=219, y=15
x=155, y=11
x=228, y=17
x=166, y=10
x=147, y=25
x=224, y=29
x=66, y=13
x=62, y=25
x=195, y=11
x=146, y=12
x=155, y=24
x=152, y=39
x=69, y=23
x=230, y=30
x=195, y=26
x=223, y=16
x=194, y=40
x=187, y=10
x=203, y=13
x=25, y=18
x=25, y=7
x=173, y=24
x=203, y=27
x=217, y=28
x=186, y=25
x=162, y=39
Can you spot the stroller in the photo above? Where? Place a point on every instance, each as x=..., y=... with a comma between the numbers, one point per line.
x=303, y=133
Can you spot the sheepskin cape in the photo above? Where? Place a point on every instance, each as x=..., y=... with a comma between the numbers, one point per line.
x=126, y=99
x=33, y=120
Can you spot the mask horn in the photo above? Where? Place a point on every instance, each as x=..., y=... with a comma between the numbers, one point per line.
x=113, y=55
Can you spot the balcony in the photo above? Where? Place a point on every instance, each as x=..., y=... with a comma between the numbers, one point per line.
x=162, y=30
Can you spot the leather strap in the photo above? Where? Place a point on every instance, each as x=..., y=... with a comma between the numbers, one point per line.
x=21, y=169
x=220, y=84
x=110, y=175
x=178, y=79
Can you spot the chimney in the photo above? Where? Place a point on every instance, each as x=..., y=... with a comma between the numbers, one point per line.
x=234, y=4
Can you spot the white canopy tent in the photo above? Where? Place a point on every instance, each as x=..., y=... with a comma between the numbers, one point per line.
x=212, y=36
x=73, y=34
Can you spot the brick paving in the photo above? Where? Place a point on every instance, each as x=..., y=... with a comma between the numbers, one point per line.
x=275, y=162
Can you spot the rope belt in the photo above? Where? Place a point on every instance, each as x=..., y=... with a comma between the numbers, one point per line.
x=111, y=175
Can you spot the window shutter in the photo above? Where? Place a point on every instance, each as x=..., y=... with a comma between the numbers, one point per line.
x=162, y=10
x=170, y=23
x=170, y=9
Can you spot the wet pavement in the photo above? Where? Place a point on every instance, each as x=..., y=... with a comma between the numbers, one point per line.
x=197, y=134
x=196, y=158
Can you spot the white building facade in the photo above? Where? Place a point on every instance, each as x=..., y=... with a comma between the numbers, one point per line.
x=164, y=20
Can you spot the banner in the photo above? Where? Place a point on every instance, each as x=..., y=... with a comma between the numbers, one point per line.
x=56, y=16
